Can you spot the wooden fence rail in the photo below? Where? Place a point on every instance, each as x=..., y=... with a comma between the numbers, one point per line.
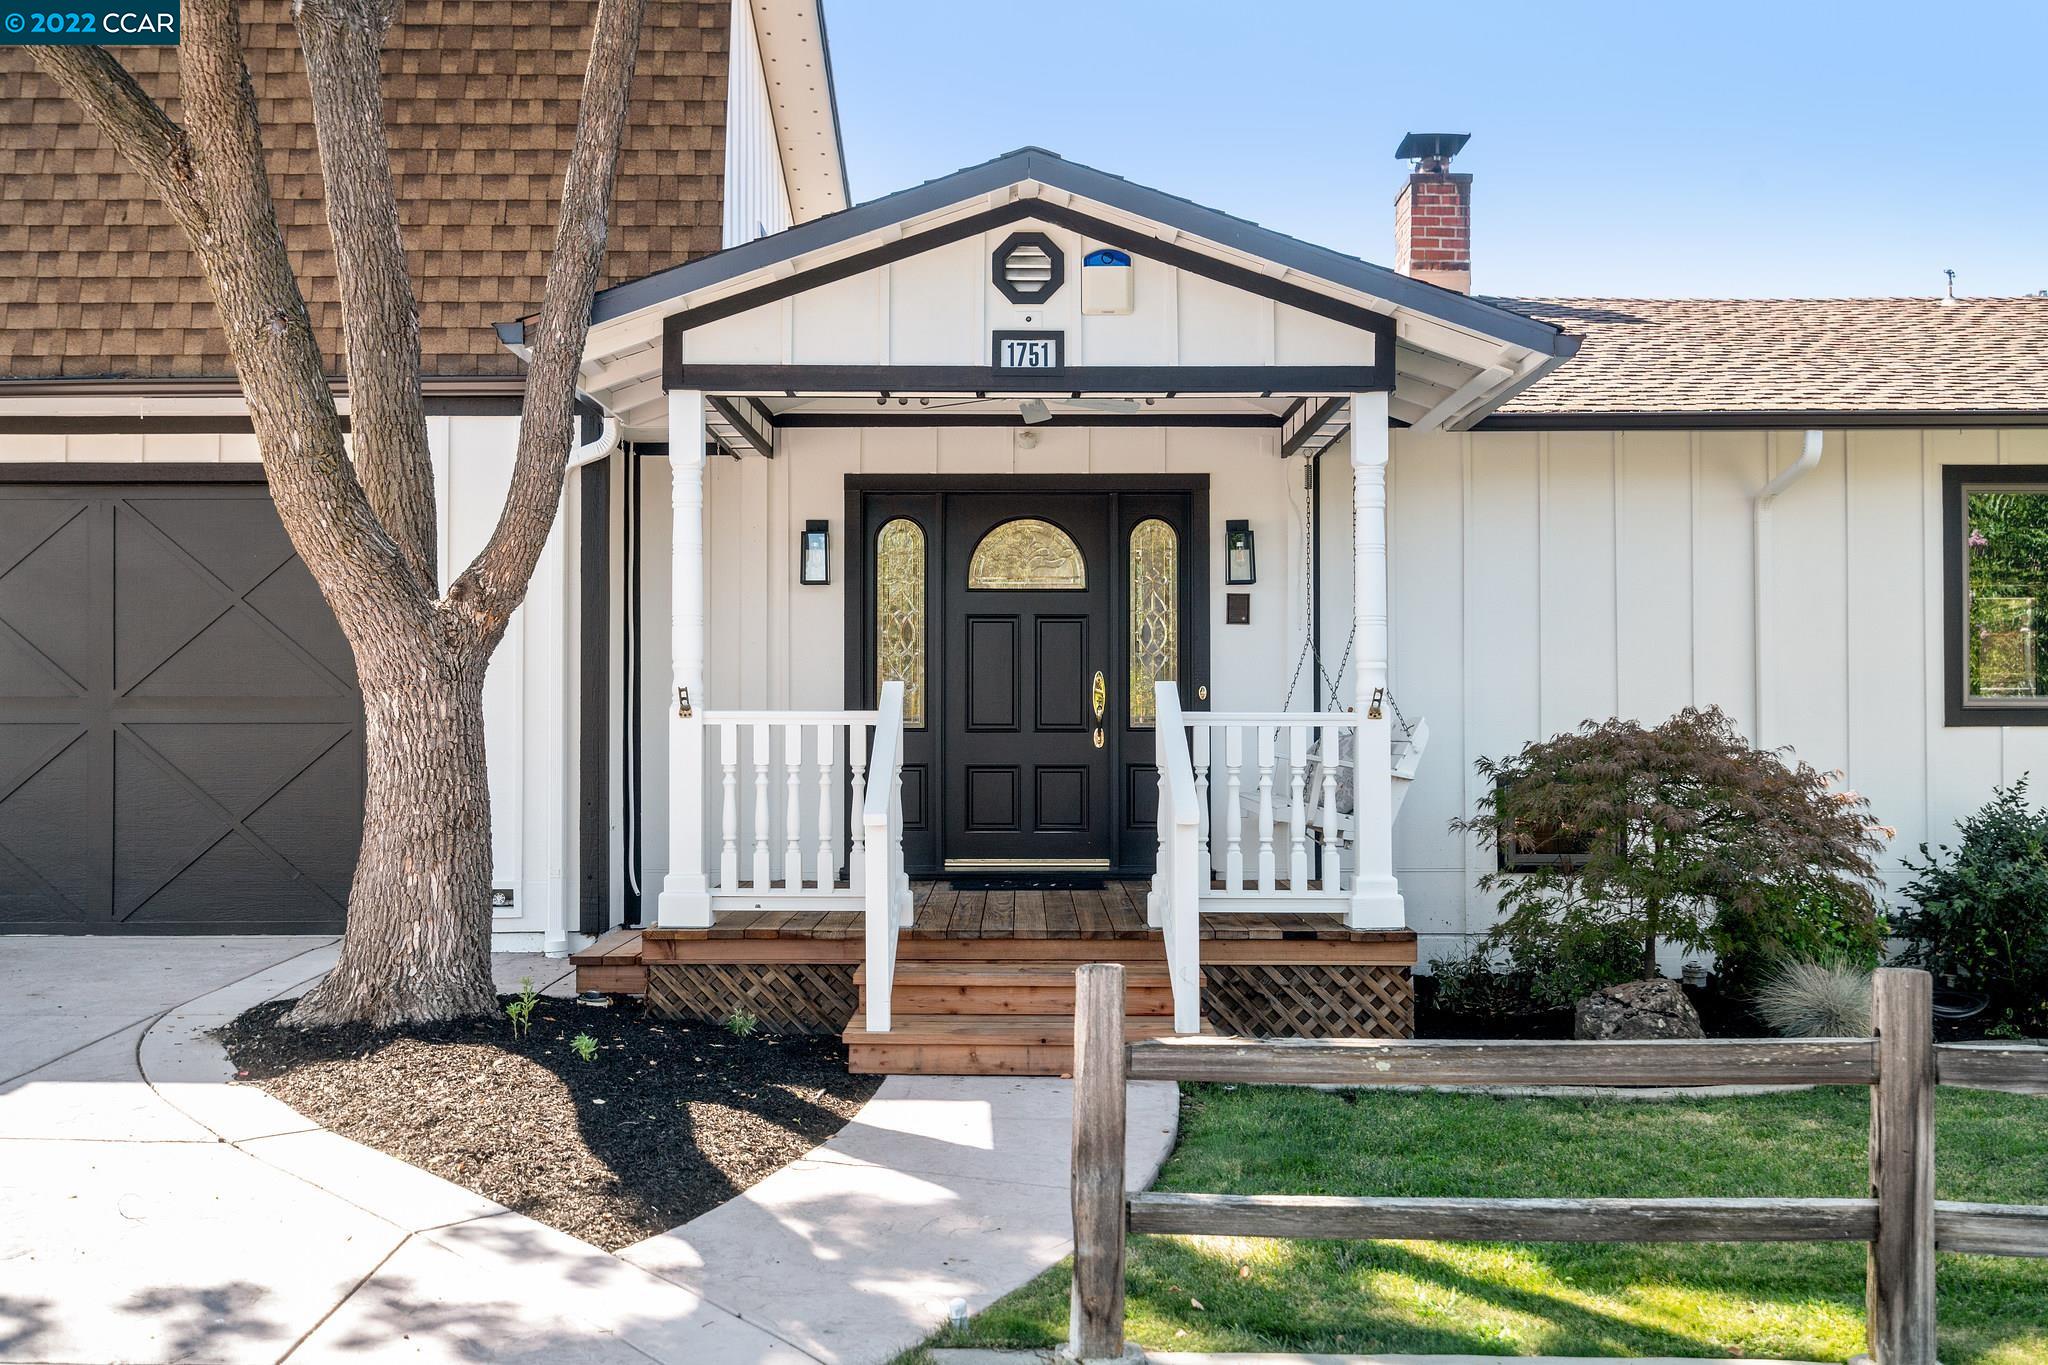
x=1901, y=1222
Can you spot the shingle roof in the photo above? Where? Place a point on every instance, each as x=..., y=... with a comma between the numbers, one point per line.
x=481, y=97
x=1816, y=356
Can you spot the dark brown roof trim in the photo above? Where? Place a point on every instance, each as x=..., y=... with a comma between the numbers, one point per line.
x=1760, y=420
x=226, y=386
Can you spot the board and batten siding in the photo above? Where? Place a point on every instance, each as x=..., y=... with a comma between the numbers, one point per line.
x=1541, y=579
x=756, y=193
x=529, y=717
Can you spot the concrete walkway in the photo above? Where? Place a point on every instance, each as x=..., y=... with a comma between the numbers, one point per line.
x=151, y=1211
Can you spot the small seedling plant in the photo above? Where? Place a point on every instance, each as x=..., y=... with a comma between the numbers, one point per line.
x=741, y=1024
x=584, y=1046
x=520, y=1011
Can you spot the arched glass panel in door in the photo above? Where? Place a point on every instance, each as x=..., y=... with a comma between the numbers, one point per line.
x=1155, y=616
x=1027, y=554
x=900, y=613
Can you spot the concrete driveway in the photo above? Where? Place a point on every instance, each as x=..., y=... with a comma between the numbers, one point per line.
x=149, y=1211
x=188, y=1220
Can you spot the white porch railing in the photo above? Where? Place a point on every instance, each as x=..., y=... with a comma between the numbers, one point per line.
x=1180, y=876
x=887, y=898
x=1282, y=786
x=781, y=778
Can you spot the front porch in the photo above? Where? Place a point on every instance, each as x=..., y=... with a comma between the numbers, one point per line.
x=983, y=980
x=1028, y=524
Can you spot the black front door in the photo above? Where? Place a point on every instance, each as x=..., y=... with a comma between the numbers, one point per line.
x=1000, y=600
x=1026, y=764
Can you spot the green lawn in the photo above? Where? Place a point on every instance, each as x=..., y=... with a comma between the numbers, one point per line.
x=1797, y=1302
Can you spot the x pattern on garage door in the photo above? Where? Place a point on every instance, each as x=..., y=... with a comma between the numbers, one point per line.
x=180, y=731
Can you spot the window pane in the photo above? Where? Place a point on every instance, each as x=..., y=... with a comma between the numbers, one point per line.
x=1155, y=616
x=2006, y=541
x=1027, y=554
x=899, y=614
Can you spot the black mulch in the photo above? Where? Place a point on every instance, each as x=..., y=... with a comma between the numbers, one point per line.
x=668, y=1120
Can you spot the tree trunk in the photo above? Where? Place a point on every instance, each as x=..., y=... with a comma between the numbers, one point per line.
x=417, y=946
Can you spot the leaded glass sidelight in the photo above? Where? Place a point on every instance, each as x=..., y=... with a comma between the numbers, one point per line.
x=1027, y=554
x=1155, y=616
x=900, y=613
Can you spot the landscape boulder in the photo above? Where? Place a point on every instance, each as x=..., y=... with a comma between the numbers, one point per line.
x=1636, y=1009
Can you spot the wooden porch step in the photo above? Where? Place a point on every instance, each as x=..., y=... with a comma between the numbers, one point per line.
x=975, y=1044
x=1044, y=989
x=612, y=964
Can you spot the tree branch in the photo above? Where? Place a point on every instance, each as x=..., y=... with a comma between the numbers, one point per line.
x=270, y=336
x=343, y=42
x=156, y=147
x=496, y=581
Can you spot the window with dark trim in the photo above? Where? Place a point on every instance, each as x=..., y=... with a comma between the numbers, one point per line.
x=1995, y=585
x=1536, y=848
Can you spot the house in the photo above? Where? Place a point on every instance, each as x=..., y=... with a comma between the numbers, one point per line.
x=180, y=746
x=1032, y=567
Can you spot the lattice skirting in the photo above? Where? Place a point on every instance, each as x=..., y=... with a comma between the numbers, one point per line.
x=787, y=997
x=1309, y=1000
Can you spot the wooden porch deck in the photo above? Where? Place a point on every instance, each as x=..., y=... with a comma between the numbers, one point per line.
x=1116, y=911
x=984, y=979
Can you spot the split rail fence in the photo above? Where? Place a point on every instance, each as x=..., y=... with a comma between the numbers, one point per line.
x=1901, y=1221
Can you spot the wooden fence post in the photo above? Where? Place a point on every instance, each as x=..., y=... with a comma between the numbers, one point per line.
x=1096, y=1322
x=1899, y=1294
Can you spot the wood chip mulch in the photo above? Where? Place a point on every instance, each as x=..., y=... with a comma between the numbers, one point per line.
x=667, y=1121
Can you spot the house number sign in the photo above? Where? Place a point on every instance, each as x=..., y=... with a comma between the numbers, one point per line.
x=1030, y=350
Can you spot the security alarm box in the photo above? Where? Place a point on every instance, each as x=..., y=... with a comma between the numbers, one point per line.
x=1106, y=282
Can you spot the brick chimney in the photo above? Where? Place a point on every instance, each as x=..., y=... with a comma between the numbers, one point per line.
x=1433, y=213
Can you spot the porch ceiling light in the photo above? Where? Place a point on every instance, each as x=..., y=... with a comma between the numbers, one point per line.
x=1034, y=411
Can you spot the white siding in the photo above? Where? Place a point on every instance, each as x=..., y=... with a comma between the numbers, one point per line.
x=939, y=307
x=528, y=707
x=756, y=195
x=1543, y=579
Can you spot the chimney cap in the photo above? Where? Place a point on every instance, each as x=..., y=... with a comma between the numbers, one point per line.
x=1437, y=147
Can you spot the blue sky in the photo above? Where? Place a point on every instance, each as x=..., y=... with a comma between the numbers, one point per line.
x=1646, y=149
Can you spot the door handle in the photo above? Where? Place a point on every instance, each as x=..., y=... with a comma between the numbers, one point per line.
x=1100, y=695
x=1098, y=736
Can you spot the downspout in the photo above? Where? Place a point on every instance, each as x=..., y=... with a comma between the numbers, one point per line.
x=1760, y=542
x=555, y=941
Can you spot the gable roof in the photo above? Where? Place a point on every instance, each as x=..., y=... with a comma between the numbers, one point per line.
x=481, y=97
x=1037, y=166
x=1799, y=359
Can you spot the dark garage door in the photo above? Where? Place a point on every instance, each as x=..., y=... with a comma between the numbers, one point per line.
x=180, y=733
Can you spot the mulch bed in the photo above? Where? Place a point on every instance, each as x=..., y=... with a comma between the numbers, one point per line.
x=667, y=1121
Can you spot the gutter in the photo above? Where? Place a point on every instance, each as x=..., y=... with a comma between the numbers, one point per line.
x=556, y=940
x=1760, y=578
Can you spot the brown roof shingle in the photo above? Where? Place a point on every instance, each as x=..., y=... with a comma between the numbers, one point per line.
x=1817, y=356
x=481, y=98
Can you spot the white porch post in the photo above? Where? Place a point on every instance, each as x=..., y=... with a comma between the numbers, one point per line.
x=1375, y=898
x=686, y=891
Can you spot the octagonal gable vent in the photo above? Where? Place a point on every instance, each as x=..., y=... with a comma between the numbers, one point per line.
x=1029, y=267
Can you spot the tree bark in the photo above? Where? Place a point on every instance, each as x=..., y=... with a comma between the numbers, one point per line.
x=417, y=944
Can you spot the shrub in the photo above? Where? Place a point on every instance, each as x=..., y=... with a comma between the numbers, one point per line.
x=1684, y=834
x=1828, y=998
x=1796, y=923
x=1981, y=908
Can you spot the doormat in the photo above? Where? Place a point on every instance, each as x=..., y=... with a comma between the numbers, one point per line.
x=1038, y=883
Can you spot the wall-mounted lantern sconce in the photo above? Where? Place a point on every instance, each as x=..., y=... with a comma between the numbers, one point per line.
x=814, y=566
x=1240, y=562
